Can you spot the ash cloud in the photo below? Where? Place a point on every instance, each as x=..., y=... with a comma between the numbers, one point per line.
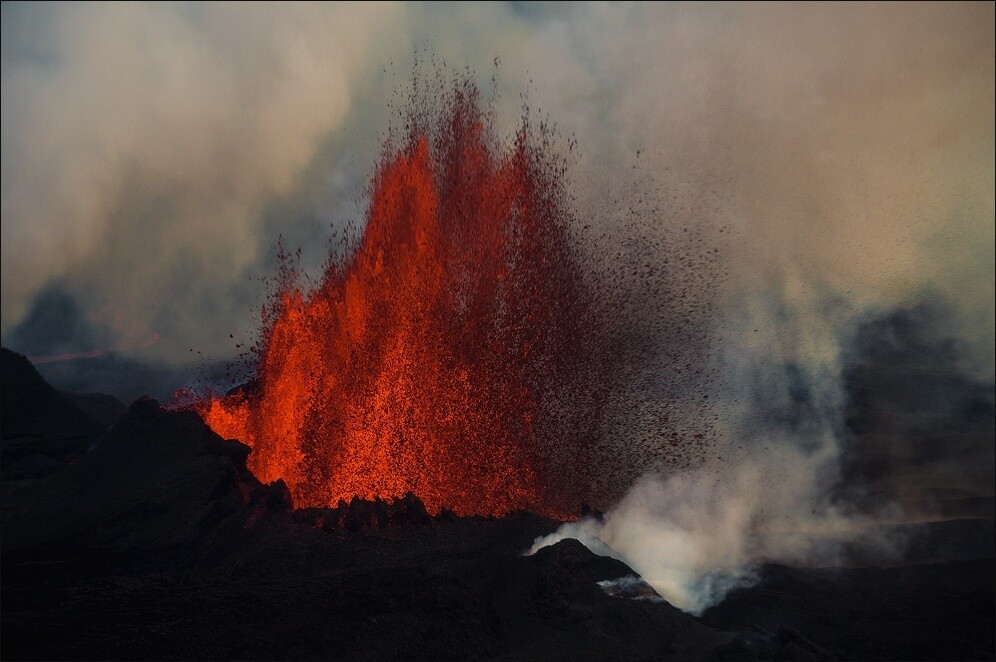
x=153, y=153
x=921, y=433
x=55, y=325
x=849, y=150
x=82, y=354
x=822, y=469
x=142, y=142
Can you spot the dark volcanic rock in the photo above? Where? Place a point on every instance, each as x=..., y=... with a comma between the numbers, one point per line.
x=152, y=540
x=155, y=480
x=103, y=408
x=157, y=542
x=43, y=432
x=458, y=588
x=31, y=467
x=941, y=611
x=30, y=407
x=360, y=514
x=560, y=585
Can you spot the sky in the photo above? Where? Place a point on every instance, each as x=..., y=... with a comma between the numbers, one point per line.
x=152, y=153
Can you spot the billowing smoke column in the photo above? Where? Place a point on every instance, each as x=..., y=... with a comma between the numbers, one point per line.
x=465, y=349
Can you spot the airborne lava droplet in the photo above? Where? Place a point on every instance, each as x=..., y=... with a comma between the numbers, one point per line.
x=460, y=350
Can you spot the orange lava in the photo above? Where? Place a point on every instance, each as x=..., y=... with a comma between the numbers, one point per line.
x=445, y=355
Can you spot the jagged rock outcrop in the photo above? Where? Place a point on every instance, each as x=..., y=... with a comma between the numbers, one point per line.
x=30, y=407
x=155, y=479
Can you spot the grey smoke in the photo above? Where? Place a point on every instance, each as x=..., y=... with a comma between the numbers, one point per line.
x=55, y=325
x=152, y=153
x=817, y=469
x=920, y=430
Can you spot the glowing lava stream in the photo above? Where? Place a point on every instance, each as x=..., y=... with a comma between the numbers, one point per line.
x=451, y=353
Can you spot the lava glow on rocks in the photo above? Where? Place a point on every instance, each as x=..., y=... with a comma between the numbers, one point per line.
x=454, y=352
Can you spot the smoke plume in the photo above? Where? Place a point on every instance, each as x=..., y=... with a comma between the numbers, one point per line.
x=153, y=153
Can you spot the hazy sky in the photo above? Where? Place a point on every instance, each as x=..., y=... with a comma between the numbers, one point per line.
x=151, y=153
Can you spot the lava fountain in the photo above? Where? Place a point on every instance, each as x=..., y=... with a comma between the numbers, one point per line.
x=455, y=352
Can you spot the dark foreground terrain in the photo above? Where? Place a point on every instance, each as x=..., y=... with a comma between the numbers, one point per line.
x=149, y=539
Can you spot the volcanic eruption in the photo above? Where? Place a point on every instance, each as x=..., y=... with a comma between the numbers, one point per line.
x=463, y=350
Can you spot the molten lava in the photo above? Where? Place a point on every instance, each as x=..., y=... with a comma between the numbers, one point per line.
x=447, y=354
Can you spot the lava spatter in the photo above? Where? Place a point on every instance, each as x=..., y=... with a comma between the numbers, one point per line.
x=461, y=350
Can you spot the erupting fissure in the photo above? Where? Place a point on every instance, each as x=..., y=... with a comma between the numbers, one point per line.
x=453, y=352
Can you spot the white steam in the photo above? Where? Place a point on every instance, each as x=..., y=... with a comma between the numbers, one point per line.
x=698, y=535
x=767, y=495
